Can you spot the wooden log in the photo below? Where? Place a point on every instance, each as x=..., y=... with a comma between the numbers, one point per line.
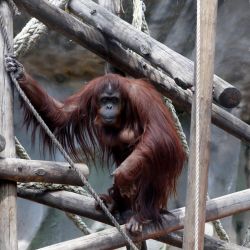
x=180, y=68
x=93, y=40
x=40, y=171
x=8, y=221
x=210, y=243
x=200, y=128
x=85, y=206
x=216, y=208
x=2, y=143
x=113, y=6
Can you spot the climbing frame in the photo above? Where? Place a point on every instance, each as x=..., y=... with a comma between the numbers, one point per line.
x=132, y=63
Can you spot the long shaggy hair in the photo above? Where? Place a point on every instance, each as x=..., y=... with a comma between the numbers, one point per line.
x=156, y=150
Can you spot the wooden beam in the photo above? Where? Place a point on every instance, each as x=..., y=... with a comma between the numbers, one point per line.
x=176, y=65
x=210, y=243
x=40, y=171
x=110, y=50
x=74, y=203
x=8, y=221
x=85, y=206
x=200, y=127
x=2, y=143
x=113, y=6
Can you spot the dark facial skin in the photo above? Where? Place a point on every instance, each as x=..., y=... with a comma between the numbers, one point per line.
x=110, y=106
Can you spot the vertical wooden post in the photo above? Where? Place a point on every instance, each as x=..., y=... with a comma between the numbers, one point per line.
x=8, y=222
x=204, y=79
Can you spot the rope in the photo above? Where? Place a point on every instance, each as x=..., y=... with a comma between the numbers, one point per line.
x=59, y=146
x=20, y=151
x=221, y=232
x=144, y=26
x=13, y=7
x=137, y=14
x=79, y=223
x=77, y=220
x=178, y=126
x=32, y=32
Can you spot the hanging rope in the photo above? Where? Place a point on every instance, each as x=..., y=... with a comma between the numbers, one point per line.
x=178, y=126
x=79, y=223
x=59, y=146
x=137, y=14
x=13, y=7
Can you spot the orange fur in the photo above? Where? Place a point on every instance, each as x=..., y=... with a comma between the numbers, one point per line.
x=144, y=144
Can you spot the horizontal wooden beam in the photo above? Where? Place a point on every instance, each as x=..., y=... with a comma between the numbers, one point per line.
x=2, y=143
x=210, y=243
x=177, y=66
x=66, y=201
x=19, y=170
x=216, y=208
x=136, y=66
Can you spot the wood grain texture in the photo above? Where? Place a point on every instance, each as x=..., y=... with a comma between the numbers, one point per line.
x=2, y=143
x=108, y=239
x=8, y=221
x=177, y=66
x=201, y=109
x=210, y=243
x=40, y=171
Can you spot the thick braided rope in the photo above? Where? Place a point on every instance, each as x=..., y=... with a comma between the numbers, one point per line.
x=32, y=32
x=178, y=126
x=221, y=232
x=28, y=37
x=60, y=148
x=197, y=129
x=13, y=7
x=137, y=14
x=20, y=151
x=79, y=223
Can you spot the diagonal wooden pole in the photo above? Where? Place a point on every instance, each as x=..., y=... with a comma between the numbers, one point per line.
x=200, y=126
x=8, y=222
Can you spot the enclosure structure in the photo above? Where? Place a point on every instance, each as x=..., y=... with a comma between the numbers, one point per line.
x=100, y=27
